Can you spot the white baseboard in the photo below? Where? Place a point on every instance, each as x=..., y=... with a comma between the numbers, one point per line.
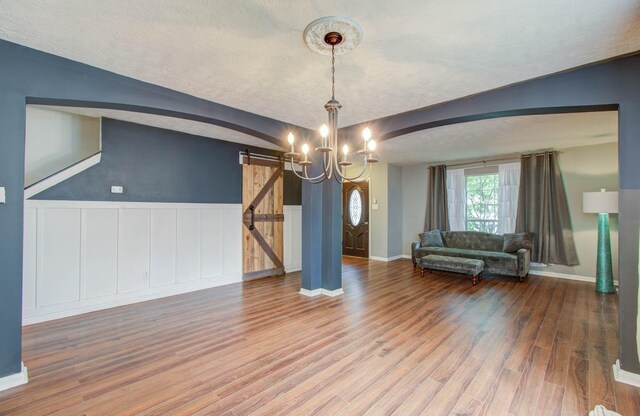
x=14, y=380
x=332, y=293
x=566, y=276
x=91, y=305
x=625, y=377
x=387, y=259
x=317, y=292
x=406, y=256
x=310, y=293
x=292, y=269
x=562, y=275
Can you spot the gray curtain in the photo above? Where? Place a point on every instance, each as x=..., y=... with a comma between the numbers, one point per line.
x=543, y=210
x=437, y=217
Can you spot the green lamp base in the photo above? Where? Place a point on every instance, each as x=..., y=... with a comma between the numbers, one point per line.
x=604, y=273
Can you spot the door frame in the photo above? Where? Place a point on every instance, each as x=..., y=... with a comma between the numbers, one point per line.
x=366, y=205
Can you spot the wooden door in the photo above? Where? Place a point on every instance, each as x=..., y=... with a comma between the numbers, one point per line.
x=263, y=218
x=355, y=219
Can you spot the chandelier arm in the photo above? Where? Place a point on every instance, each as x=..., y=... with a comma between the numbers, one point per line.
x=317, y=179
x=306, y=175
x=360, y=177
x=363, y=178
x=328, y=173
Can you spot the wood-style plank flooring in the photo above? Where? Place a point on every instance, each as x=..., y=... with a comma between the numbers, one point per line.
x=394, y=343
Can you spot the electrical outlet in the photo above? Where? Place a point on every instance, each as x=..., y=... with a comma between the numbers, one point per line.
x=116, y=189
x=3, y=195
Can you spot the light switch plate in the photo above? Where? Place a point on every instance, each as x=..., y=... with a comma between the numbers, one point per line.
x=117, y=189
x=3, y=195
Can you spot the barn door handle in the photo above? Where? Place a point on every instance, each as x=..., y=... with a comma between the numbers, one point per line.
x=252, y=209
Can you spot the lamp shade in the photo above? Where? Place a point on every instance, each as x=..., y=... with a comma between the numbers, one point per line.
x=600, y=202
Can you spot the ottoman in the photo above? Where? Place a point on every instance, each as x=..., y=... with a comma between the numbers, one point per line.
x=463, y=265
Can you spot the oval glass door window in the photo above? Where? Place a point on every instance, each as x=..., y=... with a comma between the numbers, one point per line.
x=355, y=207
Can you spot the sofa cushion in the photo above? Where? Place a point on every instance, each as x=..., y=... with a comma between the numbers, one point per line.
x=493, y=259
x=514, y=242
x=473, y=240
x=431, y=238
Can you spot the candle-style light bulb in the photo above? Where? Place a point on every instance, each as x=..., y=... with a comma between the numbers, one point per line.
x=324, y=131
x=305, y=150
x=371, y=144
x=291, y=139
x=366, y=134
x=345, y=150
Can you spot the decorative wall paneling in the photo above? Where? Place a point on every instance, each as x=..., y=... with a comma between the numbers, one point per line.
x=82, y=256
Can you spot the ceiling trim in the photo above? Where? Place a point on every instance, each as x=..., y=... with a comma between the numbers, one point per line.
x=157, y=111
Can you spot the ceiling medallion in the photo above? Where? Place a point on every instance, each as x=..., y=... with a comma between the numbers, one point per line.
x=314, y=34
x=332, y=36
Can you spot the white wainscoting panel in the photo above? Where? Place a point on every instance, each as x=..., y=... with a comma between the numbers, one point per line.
x=163, y=237
x=133, y=250
x=231, y=243
x=292, y=238
x=83, y=256
x=189, y=239
x=211, y=243
x=99, y=245
x=58, y=263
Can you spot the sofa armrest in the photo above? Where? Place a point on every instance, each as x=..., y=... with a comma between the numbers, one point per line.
x=524, y=261
x=414, y=246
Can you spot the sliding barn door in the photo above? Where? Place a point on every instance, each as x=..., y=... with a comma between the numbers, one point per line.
x=263, y=218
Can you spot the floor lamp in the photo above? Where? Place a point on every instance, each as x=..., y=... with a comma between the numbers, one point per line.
x=602, y=203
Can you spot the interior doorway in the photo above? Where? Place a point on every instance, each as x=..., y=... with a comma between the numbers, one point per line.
x=355, y=219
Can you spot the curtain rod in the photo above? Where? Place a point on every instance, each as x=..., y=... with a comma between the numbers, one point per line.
x=540, y=154
x=485, y=162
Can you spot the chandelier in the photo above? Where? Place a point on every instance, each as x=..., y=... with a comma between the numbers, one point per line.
x=332, y=35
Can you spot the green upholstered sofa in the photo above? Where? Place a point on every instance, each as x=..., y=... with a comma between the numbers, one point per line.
x=481, y=246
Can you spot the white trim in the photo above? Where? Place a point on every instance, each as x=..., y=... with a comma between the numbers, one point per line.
x=406, y=256
x=64, y=174
x=15, y=380
x=121, y=299
x=566, y=276
x=387, y=259
x=625, y=377
x=317, y=292
x=310, y=293
x=293, y=269
x=376, y=258
x=332, y=293
x=41, y=203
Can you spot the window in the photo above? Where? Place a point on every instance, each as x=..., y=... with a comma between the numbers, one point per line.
x=482, y=203
x=355, y=207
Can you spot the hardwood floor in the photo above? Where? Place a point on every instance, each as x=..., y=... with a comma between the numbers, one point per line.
x=394, y=343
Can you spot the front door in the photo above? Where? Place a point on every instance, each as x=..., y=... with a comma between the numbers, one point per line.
x=355, y=219
x=262, y=202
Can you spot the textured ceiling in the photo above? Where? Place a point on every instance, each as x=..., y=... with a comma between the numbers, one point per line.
x=250, y=54
x=487, y=139
x=169, y=123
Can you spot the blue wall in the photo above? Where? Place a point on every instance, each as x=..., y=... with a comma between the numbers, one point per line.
x=157, y=165
x=611, y=85
x=30, y=76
